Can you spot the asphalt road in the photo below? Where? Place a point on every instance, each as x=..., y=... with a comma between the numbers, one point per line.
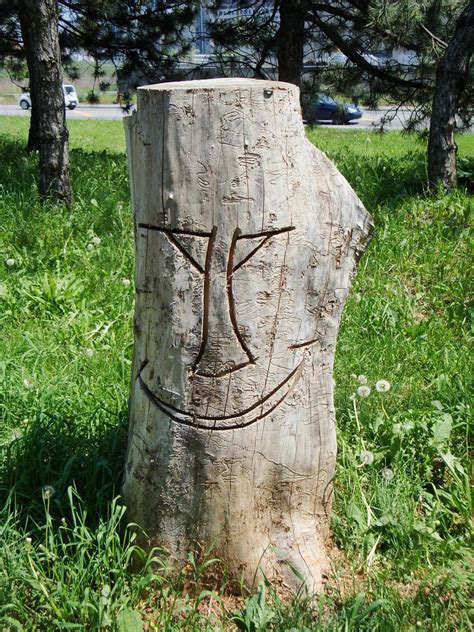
x=369, y=120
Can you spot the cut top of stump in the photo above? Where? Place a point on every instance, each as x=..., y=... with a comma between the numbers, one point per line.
x=221, y=84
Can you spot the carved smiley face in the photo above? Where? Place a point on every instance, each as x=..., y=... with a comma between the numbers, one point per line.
x=239, y=255
x=235, y=319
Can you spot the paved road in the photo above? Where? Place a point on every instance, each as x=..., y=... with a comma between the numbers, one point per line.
x=369, y=120
x=82, y=112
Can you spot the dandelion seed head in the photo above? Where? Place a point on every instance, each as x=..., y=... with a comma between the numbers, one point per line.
x=48, y=492
x=89, y=352
x=90, y=247
x=362, y=379
x=387, y=474
x=10, y=262
x=363, y=391
x=366, y=457
x=382, y=386
x=28, y=383
x=96, y=240
x=353, y=376
x=126, y=282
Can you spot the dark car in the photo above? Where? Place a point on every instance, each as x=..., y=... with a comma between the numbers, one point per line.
x=326, y=109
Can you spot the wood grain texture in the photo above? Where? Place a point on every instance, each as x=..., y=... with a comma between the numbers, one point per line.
x=246, y=241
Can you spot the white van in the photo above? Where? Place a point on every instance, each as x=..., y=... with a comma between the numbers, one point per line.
x=70, y=98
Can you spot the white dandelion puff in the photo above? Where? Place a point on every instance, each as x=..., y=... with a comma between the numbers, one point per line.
x=89, y=352
x=48, y=492
x=362, y=379
x=96, y=241
x=366, y=457
x=387, y=474
x=126, y=282
x=90, y=247
x=382, y=386
x=10, y=262
x=353, y=376
x=28, y=383
x=363, y=391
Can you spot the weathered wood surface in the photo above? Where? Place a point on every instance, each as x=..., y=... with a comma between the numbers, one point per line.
x=246, y=240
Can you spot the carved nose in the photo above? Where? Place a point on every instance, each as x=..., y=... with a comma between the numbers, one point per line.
x=223, y=349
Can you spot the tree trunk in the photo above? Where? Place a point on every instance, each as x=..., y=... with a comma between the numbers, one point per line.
x=451, y=77
x=33, y=132
x=246, y=240
x=48, y=131
x=291, y=40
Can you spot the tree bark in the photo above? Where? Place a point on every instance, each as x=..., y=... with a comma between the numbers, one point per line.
x=48, y=131
x=291, y=40
x=451, y=77
x=33, y=142
x=246, y=240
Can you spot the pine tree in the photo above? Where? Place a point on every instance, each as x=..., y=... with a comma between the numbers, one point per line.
x=144, y=39
x=48, y=131
x=282, y=32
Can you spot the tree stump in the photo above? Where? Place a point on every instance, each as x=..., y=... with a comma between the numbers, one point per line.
x=246, y=240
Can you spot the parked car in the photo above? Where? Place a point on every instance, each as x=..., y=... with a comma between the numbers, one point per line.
x=70, y=98
x=324, y=108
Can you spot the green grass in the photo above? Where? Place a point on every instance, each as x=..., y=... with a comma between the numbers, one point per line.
x=401, y=523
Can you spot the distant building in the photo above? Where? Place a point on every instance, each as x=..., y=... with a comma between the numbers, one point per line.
x=228, y=11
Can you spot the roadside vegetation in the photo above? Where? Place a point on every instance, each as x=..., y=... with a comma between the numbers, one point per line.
x=402, y=504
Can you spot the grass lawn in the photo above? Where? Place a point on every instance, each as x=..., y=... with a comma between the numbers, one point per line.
x=401, y=522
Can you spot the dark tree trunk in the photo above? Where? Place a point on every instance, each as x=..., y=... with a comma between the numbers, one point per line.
x=291, y=39
x=33, y=133
x=451, y=78
x=48, y=131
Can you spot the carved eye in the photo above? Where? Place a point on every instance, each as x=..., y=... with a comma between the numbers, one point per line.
x=194, y=246
x=246, y=246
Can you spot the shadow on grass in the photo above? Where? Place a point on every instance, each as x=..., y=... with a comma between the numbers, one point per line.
x=86, y=452
x=383, y=180
x=378, y=180
x=18, y=168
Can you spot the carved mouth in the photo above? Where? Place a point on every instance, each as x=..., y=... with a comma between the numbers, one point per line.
x=258, y=410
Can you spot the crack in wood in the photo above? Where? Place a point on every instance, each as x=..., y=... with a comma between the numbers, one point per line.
x=308, y=343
